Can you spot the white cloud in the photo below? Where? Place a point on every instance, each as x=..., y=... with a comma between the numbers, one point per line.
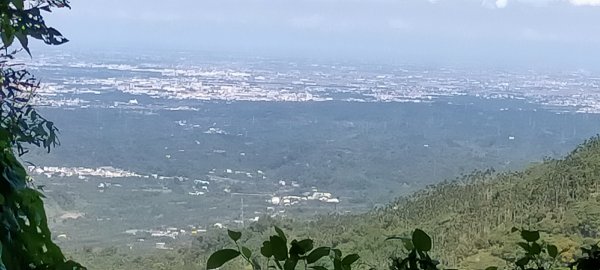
x=501, y=3
x=494, y=4
x=536, y=3
x=585, y=2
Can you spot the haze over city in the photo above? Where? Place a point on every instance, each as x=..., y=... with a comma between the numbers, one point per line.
x=528, y=33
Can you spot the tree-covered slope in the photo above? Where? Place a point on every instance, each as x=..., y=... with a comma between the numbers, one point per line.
x=469, y=218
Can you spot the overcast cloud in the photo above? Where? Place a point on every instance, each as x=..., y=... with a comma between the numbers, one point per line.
x=508, y=31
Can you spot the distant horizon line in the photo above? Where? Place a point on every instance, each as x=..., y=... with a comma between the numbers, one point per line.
x=209, y=54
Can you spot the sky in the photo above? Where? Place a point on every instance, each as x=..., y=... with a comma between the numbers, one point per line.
x=510, y=32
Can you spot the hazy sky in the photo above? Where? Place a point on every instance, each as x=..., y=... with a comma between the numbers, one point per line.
x=494, y=31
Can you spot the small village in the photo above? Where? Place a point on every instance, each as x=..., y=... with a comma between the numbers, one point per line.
x=284, y=195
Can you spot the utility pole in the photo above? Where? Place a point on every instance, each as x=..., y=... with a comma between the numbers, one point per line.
x=242, y=206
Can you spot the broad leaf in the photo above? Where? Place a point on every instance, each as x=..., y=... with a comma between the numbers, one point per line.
x=246, y=252
x=337, y=264
x=524, y=246
x=306, y=245
x=233, y=235
x=281, y=234
x=220, y=257
x=523, y=261
x=266, y=249
x=552, y=251
x=317, y=254
x=530, y=236
x=290, y=264
x=337, y=252
x=536, y=248
x=278, y=248
x=350, y=259
x=19, y=4
x=421, y=240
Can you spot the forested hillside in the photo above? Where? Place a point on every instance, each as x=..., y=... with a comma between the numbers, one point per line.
x=469, y=218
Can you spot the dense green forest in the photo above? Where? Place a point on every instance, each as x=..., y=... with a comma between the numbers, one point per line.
x=469, y=219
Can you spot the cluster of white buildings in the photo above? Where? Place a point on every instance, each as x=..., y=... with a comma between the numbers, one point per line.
x=81, y=172
x=260, y=174
x=163, y=234
x=290, y=200
x=214, y=130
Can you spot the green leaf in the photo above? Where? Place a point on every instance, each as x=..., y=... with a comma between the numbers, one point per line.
x=290, y=264
x=306, y=245
x=69, y=265
x=337, y=253
x=266, y=249
x=514, y=229
x=536, y=248
x=524, y=246
x=318, y=268
x=295, y=250
x=220, y=257
x=317, y=254
x=19, y=4
x=408, y=244
x=279, y=248
x=24, y=41
x=350, y=259
x=530, y=236
x=523, y=261
x=300, y=248
x=421, y=240
x=2, y=267
x=234, y=235
x=397, y=238
x=337, y=264
x=492, y=268
x=552, y=251
x=246, y=252
x=8, y=36
x=281, y=234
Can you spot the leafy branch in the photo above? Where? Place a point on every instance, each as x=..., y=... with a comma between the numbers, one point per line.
x=280, y=255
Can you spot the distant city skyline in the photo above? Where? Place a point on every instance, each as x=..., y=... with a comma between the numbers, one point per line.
x=503, y=32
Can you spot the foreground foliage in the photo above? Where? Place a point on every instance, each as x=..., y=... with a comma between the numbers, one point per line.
x=277, y=254
x=537, y=255
x=590, y=259
x=25, y=240
x=418, y=248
